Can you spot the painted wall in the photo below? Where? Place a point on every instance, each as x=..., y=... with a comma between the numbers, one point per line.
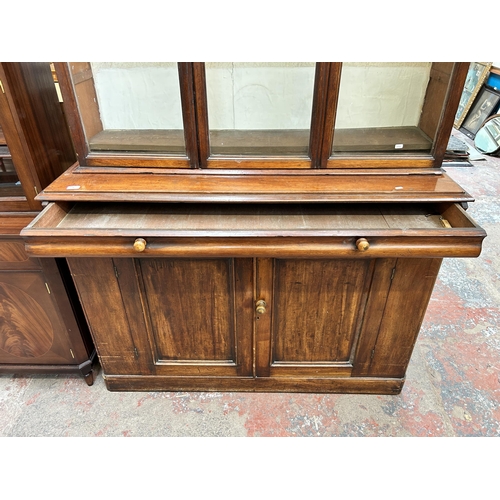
x=259, y=95
x=138, y=95
x=382, y=94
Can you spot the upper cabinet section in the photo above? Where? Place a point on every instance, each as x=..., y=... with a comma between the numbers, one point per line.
x=261, y=115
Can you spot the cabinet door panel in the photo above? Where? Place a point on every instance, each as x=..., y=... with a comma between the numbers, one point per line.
x=31, y=331
x=110, y=295
x=315, y=315
x=171, y=317
x=395, y=310
x=195, y=314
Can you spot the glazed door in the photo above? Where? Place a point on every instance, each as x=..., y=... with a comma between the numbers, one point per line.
x=310, y=322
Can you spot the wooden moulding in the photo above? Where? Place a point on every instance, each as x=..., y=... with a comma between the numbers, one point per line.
x=360, y=385
x=11, y=223
x=251, y=186
x=449, y=245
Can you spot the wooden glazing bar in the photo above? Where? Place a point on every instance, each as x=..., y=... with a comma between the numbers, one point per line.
x=186, y=78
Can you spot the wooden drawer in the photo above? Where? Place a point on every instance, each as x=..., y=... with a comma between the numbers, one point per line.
x=197, y=230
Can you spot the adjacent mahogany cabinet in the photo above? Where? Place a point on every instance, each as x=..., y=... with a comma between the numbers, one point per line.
x=256, y=226
x=42, y=327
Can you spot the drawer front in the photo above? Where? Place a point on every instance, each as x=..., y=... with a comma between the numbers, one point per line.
x=13, y=256
x=378, y=246
x=330, y=231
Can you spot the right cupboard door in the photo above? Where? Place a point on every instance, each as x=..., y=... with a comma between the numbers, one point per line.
x=330, y=318
x=313, y=314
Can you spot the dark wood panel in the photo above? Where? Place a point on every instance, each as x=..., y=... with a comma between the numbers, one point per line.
x=64, y=295
x=11, y=223
x=111, y=299
x=191, y=308
x=398, y=300
x=459, y=74
x=332, y=92
x=70, y=106
x=31, y=329
x=25, y=169
x=34, y=96
x=187, y=76
x=320, y=109
x=13, y=256
x=318, y=385
x=435, y=97
x=88, y=104
x=191, y=304
x=245, y=187
x=316, y=309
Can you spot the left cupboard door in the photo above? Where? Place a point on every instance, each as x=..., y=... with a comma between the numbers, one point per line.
x=167, y=317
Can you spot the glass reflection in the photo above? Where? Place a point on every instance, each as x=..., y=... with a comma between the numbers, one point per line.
x=487, y=139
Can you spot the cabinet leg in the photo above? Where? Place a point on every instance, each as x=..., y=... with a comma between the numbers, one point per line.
x=88, y=369
x=89, y=378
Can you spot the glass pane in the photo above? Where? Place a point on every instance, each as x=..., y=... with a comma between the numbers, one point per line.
x=9, y=182
x=259, y=108
x=389, y=107
x=130, y=107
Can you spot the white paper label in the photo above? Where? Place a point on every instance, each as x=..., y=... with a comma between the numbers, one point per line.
x=399, y=146
x=73, y=187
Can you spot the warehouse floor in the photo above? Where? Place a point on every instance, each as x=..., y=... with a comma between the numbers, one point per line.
x=452, y=386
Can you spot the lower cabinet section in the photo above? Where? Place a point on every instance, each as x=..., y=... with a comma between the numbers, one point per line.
x=257, y=297
x=41, y=329
x=254, y=324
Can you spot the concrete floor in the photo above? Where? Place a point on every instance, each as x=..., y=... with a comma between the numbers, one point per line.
x=452, y=386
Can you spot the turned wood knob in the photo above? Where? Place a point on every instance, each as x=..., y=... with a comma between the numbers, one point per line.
x=362, y=244
x=140, y=245
x=260, y=307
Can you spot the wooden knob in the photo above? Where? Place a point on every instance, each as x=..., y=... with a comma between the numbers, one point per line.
x=362, y=244
x=260, y=307
x=140, y=245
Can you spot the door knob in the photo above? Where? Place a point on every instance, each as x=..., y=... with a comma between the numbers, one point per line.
x=362, y=244
x=140, y=245
x=260, y=307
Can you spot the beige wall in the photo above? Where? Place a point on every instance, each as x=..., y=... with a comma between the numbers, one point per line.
x=259, y=95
